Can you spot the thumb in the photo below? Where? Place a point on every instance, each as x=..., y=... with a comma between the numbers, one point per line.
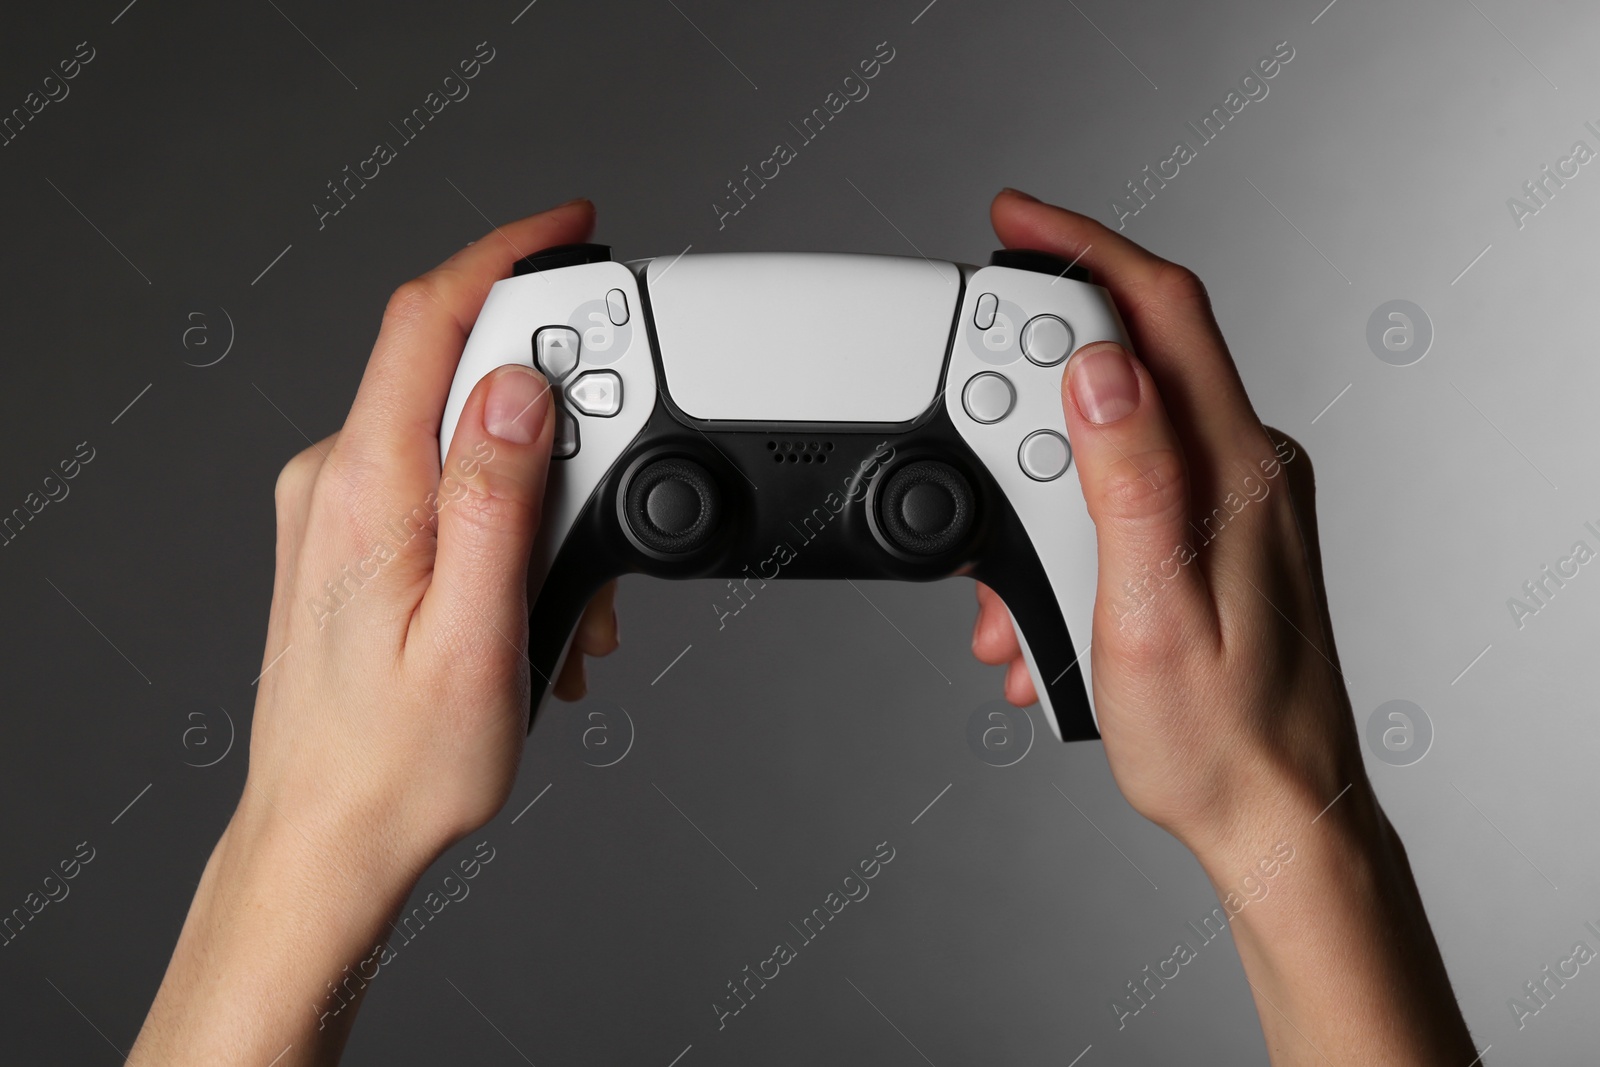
x=491, y=491
x=1136, y=484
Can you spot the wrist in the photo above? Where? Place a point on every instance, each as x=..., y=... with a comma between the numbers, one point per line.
x=337, y=852
x=290, y=902
x=1331, y=929
x=372, y=840
x=1307, y=857
x=1271, y=796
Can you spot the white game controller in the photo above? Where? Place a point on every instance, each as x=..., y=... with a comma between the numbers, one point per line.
x=765, y=416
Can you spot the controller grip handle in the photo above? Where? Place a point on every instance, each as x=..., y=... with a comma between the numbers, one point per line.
x=556, y=602
x=1057, y=663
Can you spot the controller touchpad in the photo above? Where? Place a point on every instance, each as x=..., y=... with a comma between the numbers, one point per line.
x=802, y=338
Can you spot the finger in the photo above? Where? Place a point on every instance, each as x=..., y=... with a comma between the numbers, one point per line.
x=393, y=425
x=1136, y=484
x=995, y=642
x=1165, y=308
x=994, y=638
x=489, y=500
x=1019, y=684
x=596, y=634
x=1128, y=269
x=572, y=685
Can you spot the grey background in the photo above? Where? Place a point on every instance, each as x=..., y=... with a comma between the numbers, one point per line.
x=187, y=157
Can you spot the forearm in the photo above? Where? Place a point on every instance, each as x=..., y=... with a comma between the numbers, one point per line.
x=396, y=725
x=1335, y=944
x=268, y=963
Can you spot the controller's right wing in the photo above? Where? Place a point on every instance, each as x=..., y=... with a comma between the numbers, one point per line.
x=1014, y=333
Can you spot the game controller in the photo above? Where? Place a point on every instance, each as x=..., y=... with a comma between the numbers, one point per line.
x=756, y=417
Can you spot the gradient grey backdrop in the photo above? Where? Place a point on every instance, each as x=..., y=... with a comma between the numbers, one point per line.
x=187, y=158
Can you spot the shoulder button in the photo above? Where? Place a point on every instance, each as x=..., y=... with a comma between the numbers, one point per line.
x=1039, y=263
x=561, y=256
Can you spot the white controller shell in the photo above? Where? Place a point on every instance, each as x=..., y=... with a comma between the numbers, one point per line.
x=820, y=344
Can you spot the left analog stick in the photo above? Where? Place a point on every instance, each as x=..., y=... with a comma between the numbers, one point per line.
x=673, y=507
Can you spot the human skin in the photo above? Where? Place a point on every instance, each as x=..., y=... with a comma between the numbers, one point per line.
x=391, y=729
x=1216, y=682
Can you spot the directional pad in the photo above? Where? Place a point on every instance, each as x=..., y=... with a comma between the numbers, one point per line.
x=565, y=444
x=555, y=350
x=598, y=392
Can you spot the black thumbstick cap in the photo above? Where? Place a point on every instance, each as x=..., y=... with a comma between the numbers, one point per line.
x=926, y=508
x=561, y=256
x=673, y=507
x=1039, y=263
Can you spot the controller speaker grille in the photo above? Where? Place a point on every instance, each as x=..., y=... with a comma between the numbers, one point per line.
x=799, y=451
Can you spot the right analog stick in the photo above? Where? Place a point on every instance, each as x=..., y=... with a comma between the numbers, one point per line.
x=926, y=509
x=673, y=507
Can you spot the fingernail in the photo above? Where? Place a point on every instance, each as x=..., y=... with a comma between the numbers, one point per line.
x=1104, y=385
x=570, y=203
x=518, y=404
x=1023, y=195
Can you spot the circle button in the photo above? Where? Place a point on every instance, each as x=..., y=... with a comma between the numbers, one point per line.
x=1047, y=340
x=988, y=397
x=1044, y=455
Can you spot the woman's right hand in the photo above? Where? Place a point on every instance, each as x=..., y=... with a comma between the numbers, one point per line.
x=1217, y=687
x=1216, y=683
